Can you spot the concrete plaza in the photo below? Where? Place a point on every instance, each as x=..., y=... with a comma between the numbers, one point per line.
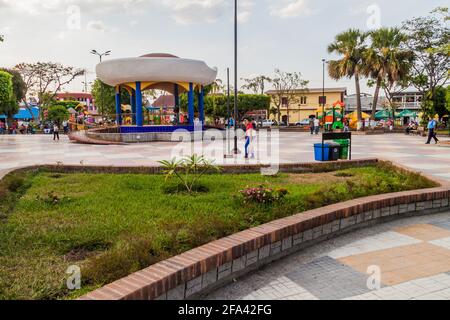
x=412, y=255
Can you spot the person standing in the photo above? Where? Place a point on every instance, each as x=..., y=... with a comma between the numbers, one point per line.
x=66, y=126
x=316, y=126
x=432, y=125
x=311, y=125
x=55, y=132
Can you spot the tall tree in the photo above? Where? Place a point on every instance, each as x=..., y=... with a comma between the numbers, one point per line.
x=350, y=45
x=47, y=77
x=19, y=87
x=2, y=38
x=105, y=97
x=256, y=85
x=8, y=105
x=286, y=87
x=429, y=40
x=386, y=61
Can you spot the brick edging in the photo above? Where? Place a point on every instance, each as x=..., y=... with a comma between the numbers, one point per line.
x=227, y=169
x=198, y=271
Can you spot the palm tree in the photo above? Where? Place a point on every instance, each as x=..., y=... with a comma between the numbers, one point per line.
x=385, y=60
x=350, y=46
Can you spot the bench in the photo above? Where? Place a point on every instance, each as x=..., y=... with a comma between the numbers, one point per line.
x=419, y=131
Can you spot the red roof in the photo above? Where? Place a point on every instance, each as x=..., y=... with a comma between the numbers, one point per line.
x=165, y=101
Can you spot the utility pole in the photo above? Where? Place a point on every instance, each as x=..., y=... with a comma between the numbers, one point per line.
x=236, y=111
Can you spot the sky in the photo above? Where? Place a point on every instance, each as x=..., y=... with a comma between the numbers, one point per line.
x=291, y=35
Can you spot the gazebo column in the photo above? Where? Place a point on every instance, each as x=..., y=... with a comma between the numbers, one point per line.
x=118, y=106
x=201, y=105
x=139, y=115
x=133, y=106
x=191, y=104
x=176, y=94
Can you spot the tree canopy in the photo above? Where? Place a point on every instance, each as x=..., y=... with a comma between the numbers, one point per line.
x=58, y=114
x=8, y=106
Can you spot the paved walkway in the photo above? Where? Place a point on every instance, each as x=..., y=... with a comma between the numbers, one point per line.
x=17, y=151
x=412, y=256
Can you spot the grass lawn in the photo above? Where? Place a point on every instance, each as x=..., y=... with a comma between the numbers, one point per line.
x=113, y=225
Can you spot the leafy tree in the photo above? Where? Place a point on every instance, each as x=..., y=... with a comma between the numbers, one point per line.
x=286, y=86
x=447, y=98
x=47, y=77
x=256, y=85
x=67, y=103
x=350, y=46
x=386, y=62
x=441, y=103
x=8, y=105
x=18, y=84
x=2, y=38
x=18, y=88
x=428, y=39
x=105, y=97
x=216, y=106
x=58, y=114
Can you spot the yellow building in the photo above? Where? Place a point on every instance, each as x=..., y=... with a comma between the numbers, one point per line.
x=303, y=104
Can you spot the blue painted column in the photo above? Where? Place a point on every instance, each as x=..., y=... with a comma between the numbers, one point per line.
x=118, y=106
x=191, y=104
x=133, y=106
x=139, y=114
x=176, y=94
x=201, y=105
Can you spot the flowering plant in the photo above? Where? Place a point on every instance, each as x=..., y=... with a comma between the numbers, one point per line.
x=263, y=195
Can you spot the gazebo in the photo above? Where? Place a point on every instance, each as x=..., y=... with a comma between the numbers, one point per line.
x=157, y=71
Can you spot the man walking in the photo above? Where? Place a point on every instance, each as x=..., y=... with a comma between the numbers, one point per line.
x=55, y=132
x=432, y=125
x=311, y=125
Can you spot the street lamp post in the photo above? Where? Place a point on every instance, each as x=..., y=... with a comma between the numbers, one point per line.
x=236, y=111
x=101, y=55
x=323, y=96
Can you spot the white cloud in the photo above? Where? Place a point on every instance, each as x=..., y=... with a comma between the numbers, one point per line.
x=97, y=25
x=290, y=8
x=193, y=11
x=46, y=6
x=245, y=8
x=184, y=12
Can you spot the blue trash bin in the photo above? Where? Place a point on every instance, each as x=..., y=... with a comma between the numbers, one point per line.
x=321, y=155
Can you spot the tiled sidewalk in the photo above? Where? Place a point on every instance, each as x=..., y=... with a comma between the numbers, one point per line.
x=412, y=255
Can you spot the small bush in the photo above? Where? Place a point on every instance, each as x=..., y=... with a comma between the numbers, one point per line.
x=263, y=195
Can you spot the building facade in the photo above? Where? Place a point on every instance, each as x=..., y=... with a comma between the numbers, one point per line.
x=85, y=99
x=304, y=103
x=366, y=103
x=408, y=100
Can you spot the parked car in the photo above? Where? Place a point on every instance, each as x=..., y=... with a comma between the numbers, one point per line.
x=303, y=123
x=268, y=123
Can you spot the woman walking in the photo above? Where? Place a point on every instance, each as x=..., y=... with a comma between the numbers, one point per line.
x=248, y=139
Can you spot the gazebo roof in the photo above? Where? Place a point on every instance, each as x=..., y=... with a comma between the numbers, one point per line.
x=156, y=71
